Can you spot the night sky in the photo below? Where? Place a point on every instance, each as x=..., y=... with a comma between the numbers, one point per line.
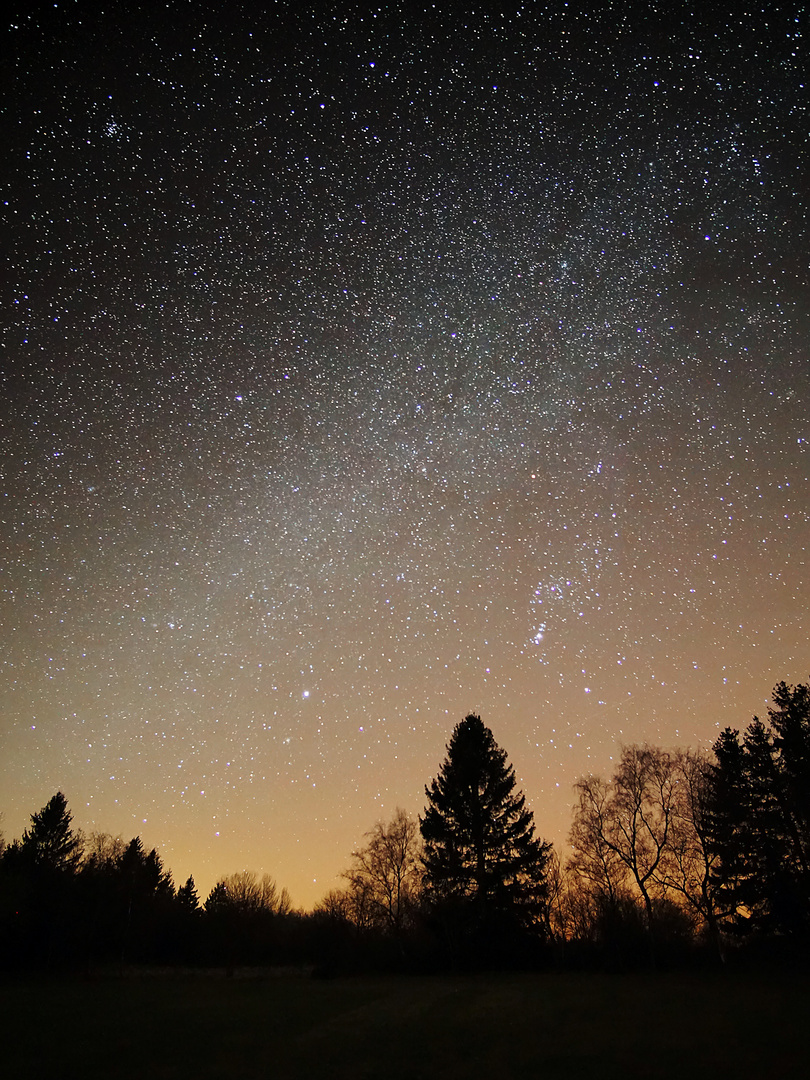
x=360, y=371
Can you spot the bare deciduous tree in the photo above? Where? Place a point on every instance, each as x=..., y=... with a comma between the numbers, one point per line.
x=622, y=827
x=595, y=862
x=689, y=865
x=644, y=787
x=247, y=893
x=385, y=876
x=102, y=849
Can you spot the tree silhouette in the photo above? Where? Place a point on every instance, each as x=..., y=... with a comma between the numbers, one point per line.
x=142, y=873
x=759, y=814
x=621, y=836
x=187, y=896
x=247, y=894
x=790, y=726
x=50, y=842
x=385, y=874
x=595, y=862
x=481, y=854
x=689, y=863
x=244, y=914
x=146, y=898
x=39, y=885
x=633, y=820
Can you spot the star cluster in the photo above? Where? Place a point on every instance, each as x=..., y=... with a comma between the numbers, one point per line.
x=366, y=369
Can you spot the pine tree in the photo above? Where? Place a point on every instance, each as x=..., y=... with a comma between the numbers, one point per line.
x=790, y=724
x=758, y=817
x=142, y=874
x=51, y=842
x=188, y=897
x=41, y=884
x=480, y=848
x=145, y=895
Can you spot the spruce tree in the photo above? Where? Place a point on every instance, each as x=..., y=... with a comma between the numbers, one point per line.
x=41, y=885
x=790, y=724
x=732, y=830
x=760, y=817
x=51, y=842
x=187, y=896
x=480, y=848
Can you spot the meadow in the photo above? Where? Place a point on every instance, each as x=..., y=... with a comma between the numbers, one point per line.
x=287, y=1025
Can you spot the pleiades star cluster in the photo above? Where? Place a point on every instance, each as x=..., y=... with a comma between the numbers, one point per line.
x=368, y=368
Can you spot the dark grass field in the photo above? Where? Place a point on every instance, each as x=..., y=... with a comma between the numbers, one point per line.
x=546, y=1025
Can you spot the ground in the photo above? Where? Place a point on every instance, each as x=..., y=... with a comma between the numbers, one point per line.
x=287, y=1025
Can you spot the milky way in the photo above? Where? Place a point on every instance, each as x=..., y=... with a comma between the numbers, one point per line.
x=365, y=370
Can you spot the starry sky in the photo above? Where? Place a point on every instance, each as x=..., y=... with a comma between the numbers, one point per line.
x=362, y=370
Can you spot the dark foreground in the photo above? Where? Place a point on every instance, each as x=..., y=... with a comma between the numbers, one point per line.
x=547, y=1025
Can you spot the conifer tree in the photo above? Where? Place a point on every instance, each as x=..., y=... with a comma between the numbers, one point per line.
x=759, y=816
x=188, y=897
x=41, y=885
x=50, y=841
x=480, y=847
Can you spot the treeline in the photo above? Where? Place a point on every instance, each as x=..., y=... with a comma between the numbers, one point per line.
x=678, y=857
x=71, y=900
